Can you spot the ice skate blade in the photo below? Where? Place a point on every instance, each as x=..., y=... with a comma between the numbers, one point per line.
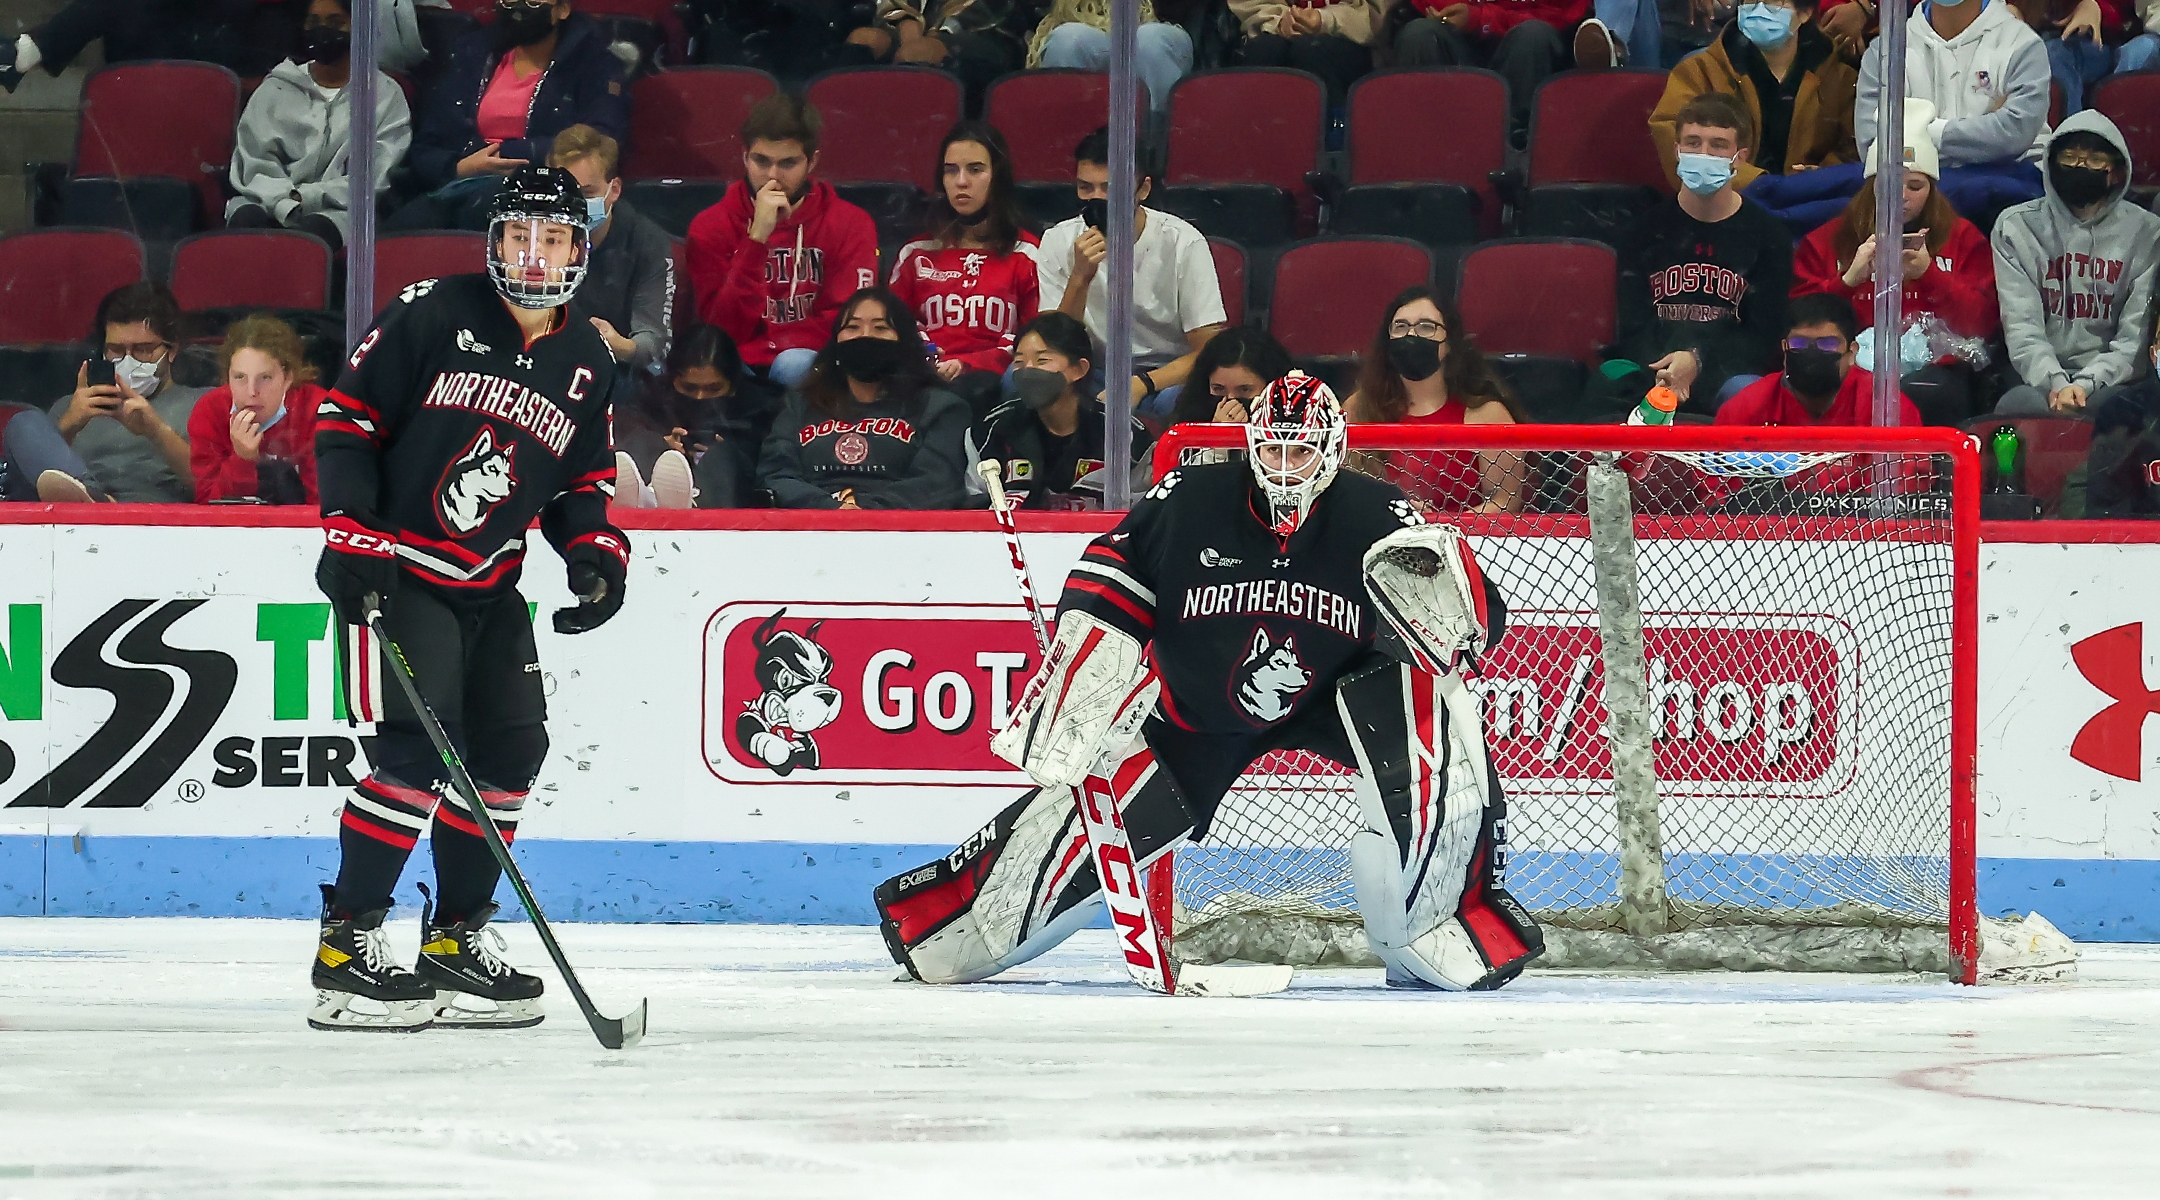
x=1233, y=979
x=507, y=1014
x=334, y=1013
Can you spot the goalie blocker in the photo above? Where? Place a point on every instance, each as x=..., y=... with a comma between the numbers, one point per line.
x=1263, y=639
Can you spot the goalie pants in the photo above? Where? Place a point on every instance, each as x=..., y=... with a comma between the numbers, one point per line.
x=479, y=671
x=1025, y=882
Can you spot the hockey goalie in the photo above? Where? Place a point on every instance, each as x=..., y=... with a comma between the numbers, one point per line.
x=1239, y=609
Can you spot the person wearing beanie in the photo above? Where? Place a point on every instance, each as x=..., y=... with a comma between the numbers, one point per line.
x=2074, y=275
x=1949, y=268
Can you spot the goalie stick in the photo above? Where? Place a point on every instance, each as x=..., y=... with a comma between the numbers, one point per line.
x=614, y=1033
x=1142, y=928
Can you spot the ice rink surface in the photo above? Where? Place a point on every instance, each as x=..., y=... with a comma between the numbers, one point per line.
x=168, y=1058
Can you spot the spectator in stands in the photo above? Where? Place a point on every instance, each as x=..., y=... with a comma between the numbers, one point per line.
x=629, y=288
x=128, y=431
x=31, y=449
x=289, y=159
x=1177, y=303
x=773, y=260
x=970, y=281
x=1076, y=34
x=694, y=431
x=1050, y=438
x=2074, y=275
x=506, y=90
x=249, y=37
x=1849, y=24
x=2142, y=51
x=1423, y=370
x=973, y=39
x=2118, y=478
x=1797, y=91
x=1949, y=271
x=869, y=427
x=2082, y=38
x=1524, y=40
x=253, y=438
x=1987, y=76
x=1235, y=366
x=1703, y=276
x=1331, y=40
x=1821, y=383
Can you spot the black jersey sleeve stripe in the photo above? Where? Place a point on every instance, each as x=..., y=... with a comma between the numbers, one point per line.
x=1110, y=605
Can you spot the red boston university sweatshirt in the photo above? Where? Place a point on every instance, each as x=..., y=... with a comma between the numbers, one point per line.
x=783, y=294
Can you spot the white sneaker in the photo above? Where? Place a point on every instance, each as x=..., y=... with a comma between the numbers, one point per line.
x=1596, y=48
x=59, y=487
x=671, y=483
x=630, y=490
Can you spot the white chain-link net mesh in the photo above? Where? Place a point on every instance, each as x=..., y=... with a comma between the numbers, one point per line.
x=1795, y=631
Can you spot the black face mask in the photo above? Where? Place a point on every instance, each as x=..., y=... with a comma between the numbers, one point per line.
x=523, y=24
x=1095, y=213
x=2078, y=186
x=323, y=43
x=971, y=220
x=1813, y=373
x=1037, y=388
x=1414, y=358
x=867, y=359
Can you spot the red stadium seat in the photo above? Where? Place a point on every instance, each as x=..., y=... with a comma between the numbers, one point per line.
x=1252, y=125
x=51, y=281
x=1044, y=114
x=1592, y=164
x=883, y=124
x=684, y=122
x=1464, y=149
x=403, y=259
x=278, y=268
x=686, y=313
x=2132, y=101
x=1329, y=293
x=1532, y=296
x=2054, y=447
x=162, y=118
x=662, y=15
x=1230, y=277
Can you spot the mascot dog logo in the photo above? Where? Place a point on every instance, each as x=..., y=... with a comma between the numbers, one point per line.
x=793, y=669
x=481, y=478
x=1268, y=683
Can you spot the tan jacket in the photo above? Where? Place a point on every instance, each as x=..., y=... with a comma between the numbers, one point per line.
x=1822, y=121
x=1358, y=20
x=1093, y=13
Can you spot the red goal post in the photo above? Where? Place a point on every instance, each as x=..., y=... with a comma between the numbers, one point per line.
x=1782, y=776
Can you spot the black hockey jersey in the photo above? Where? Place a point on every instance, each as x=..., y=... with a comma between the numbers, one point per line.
x=449, y=428
x=1247, y=629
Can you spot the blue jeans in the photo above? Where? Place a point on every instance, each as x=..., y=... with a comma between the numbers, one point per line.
x=1162, y=55
x=2078, y=63
x=1636, y=24
x=790, y=367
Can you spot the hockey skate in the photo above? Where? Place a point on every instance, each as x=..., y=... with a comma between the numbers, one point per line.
x=358, y=985
x=474, y=987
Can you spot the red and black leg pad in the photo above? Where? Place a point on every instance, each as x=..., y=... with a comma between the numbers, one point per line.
x=1498, y=925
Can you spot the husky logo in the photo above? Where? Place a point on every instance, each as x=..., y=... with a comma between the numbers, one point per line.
x=793, y=669
x=480, y=479
x=1270, y=680
x=1405, y=513
x=470, y=344
x=1211, y=557
x=1161, y=491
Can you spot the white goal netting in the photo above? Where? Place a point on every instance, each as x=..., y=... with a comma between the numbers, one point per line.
x=1726, y=714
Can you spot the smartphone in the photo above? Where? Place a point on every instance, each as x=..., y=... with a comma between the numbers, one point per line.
x=1917, y=241
x=101, y=373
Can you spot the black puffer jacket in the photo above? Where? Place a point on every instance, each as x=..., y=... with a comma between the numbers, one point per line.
x=585, y=84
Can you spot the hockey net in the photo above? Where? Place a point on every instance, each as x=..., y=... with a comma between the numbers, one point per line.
x=1733, y=712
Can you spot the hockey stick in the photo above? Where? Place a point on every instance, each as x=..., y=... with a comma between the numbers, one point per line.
x=613, y=1033
x=1143, y=930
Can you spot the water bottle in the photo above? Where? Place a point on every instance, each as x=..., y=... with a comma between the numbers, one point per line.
x=2006, y=461
x=1657, y=407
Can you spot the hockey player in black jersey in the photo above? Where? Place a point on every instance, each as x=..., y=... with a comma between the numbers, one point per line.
x=1238, y=610
x=473, y=406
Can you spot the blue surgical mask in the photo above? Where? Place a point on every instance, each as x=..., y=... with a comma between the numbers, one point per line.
x=1766, y=26
x=595, y=213
x=1703, y=174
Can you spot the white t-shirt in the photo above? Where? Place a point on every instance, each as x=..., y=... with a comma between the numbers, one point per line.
x=1174, y=286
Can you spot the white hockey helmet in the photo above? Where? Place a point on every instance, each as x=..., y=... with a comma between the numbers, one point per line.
x=537, y=244
x=1295, y=440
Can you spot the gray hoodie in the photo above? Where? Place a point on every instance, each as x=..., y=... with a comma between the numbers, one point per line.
x=1989, y=86
x=2076, y=295
x=294, y=137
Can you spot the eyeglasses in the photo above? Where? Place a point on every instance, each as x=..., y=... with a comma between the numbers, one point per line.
x=139, y=351
x=524, y=3
x=1833, y=345
x=2085, y=158
x=1424, y=329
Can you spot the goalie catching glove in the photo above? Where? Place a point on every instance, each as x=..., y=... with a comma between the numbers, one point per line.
x=1427, y=587
x=1091, y=696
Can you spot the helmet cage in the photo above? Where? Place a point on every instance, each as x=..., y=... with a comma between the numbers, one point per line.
x=1294, y=412
x=511, y=269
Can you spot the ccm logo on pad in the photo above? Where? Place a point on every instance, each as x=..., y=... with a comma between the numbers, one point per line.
x=360, y=541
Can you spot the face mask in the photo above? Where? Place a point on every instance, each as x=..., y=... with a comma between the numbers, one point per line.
x=2079, y=186
x=595, y=213
x=1037, y=388
x=867, y=359
x=275, y=417
x=523, y=24
x=141, y=377
x=324, y=43
x=1813, y=373
x=1095, y=214
x=1413, y=357
x=1703, y=174
x=1766, y=26
x=971, y=220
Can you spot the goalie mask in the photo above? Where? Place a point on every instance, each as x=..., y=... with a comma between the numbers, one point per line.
x=537, y=241
x=1295, y=442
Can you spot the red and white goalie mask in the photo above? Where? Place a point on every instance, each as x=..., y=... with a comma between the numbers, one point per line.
x=1295, y=441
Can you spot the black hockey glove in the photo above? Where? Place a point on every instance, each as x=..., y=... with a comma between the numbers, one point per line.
x=359, y=559
x=599, y=564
